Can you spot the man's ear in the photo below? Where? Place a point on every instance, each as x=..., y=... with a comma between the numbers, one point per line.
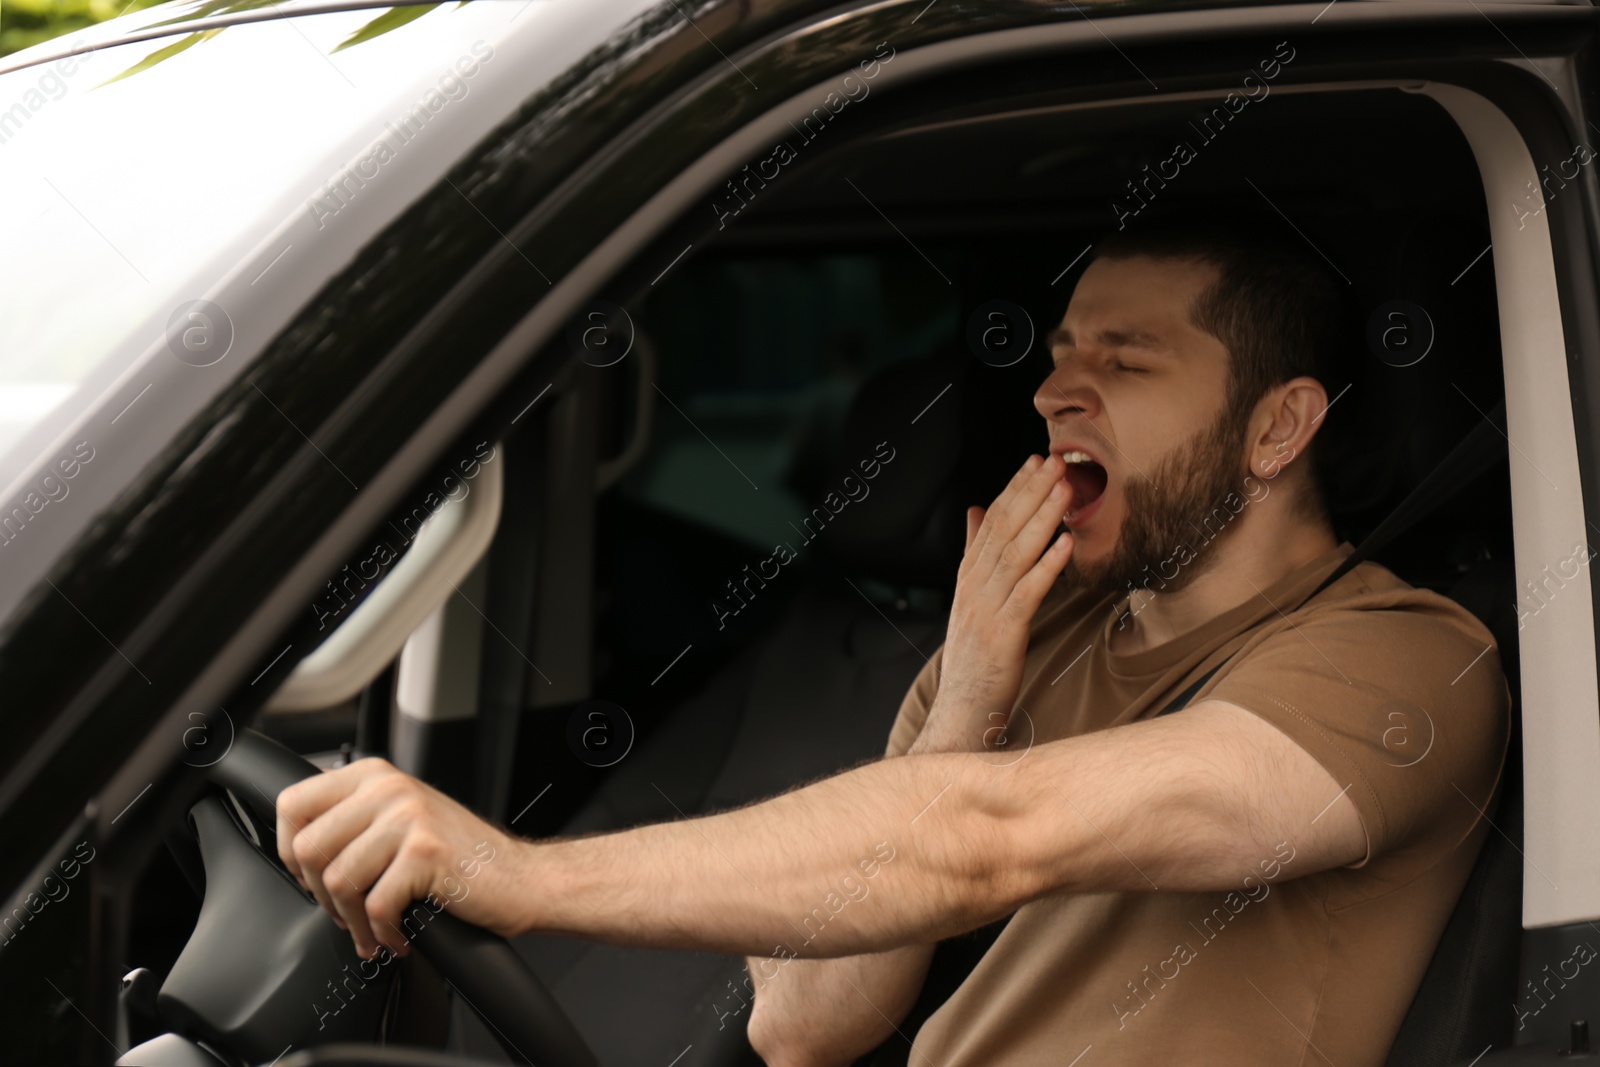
x=1285, y=421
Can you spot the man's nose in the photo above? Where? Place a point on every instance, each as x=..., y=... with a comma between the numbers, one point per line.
x=1065, y=393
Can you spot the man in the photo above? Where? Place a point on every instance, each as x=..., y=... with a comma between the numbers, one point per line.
x=1258, y=879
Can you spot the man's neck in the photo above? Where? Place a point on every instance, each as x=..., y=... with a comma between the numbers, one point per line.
x=1244, y=564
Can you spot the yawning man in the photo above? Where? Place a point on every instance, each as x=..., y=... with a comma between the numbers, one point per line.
x=1258, y=878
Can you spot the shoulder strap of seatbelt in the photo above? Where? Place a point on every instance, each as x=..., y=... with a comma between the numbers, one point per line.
x=1474, y=454
x=1181, y=701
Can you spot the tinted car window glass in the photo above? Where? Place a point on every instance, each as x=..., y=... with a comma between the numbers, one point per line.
x=760, y=357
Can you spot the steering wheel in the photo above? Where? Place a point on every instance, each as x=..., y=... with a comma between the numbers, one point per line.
x=256, y=930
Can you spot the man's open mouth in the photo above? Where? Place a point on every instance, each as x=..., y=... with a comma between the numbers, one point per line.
x=1087, y=479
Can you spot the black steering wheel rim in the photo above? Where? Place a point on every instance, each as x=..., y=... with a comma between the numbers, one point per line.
x=480, y=966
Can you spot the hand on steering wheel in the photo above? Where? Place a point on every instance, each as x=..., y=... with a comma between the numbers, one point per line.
x=478, y=964
x=367, y=840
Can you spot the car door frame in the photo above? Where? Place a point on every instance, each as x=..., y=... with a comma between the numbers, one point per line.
x=647, y=129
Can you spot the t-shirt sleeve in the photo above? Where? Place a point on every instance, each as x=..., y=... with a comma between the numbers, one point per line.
x=914, y=706
x=1403, y=701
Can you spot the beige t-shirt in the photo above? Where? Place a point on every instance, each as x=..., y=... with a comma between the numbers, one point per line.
x=1397, y=691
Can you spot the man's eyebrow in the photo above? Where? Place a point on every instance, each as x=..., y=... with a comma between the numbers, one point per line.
x=1142, y=339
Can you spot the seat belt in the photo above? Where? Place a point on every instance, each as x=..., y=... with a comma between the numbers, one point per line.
x=1474, y=454
x=1181, y=701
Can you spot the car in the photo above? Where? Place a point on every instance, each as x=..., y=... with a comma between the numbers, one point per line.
x=441, y=381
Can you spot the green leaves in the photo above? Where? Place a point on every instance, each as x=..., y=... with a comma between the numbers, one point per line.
x=216, y=8
x=391, y=19
x=162, y=54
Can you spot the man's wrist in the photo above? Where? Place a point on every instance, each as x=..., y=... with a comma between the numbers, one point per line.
x=936, y=739
x=537, y=886
x=956, y=729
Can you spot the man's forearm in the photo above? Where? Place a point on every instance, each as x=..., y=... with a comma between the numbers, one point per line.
x=891, y=853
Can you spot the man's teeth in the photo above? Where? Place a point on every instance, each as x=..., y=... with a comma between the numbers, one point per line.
x=1077, y=457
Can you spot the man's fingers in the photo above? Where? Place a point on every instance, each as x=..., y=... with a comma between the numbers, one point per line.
x=312, y=862
x=387, y=901
x=1033, y=533
x=360, y=865
x=1014, y=507
x=974, y=522
x=1024, y=472
x=1042, y=525
x=298, y=804
x=997, y=507
x=318, y=817
x=1031, y=589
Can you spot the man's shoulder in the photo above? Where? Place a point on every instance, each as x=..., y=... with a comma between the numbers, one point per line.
x=1370, y=641
x=1397, y=691
x=1372, y=597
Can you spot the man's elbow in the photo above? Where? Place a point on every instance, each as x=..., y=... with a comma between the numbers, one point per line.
x=781, y=1044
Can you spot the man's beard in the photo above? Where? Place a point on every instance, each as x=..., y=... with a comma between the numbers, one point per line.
x=1169, y=509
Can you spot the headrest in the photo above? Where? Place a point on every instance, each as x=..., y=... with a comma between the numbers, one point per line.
x=958, y=428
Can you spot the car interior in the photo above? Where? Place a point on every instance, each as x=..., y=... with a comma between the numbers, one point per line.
x=827, y=325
